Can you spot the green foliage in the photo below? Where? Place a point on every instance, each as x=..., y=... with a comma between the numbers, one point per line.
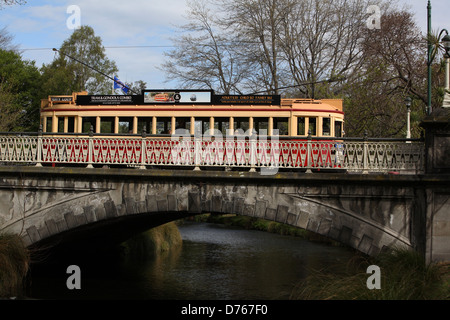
x=66, y=75
x=14, y=262
x=20, y=93
x=253, y=223
x=152, y=242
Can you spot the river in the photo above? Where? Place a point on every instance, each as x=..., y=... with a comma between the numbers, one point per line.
x=215, y=262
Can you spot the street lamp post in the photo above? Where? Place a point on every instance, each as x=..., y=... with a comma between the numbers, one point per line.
x=408, y=118
x=446, y=42
x=429, y=57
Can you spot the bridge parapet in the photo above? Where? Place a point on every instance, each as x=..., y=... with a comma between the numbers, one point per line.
x=268, y=153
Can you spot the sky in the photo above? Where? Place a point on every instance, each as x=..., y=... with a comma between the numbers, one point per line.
x=135, y=33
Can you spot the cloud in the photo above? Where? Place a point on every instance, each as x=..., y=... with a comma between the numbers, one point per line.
x=139, y=23
x=42, y=24
x=132, y=21
x=37, y=18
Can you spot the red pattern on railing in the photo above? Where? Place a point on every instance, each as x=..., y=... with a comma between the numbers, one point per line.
x=380, y=156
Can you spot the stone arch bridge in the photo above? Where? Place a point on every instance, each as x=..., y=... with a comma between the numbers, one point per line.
x=366, y=212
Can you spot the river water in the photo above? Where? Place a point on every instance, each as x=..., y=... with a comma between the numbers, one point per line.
x=215, y=262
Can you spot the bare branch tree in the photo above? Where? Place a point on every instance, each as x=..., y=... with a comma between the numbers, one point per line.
x=256, y=26
x=204, y=56
x=6, y=40
x=11, y=2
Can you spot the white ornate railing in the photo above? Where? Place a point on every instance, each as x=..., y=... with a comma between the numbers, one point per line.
x=354, y=155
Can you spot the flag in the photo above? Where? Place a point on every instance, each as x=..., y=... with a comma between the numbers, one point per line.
x=120, y=85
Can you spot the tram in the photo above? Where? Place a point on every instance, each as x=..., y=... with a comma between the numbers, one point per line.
x=160, y=114
x=165, y=111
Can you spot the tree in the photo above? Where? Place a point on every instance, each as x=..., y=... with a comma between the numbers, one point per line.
x=10, y=2
x=203, y=56
x=19, y=93
x=393, y=67
x=256, y=26
x=136, y=86
x=320, y=42
x=6, y=40
x=66, y=75
x=267, y=45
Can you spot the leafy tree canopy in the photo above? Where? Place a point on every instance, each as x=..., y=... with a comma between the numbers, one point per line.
x=19, y=93
x=66, y=75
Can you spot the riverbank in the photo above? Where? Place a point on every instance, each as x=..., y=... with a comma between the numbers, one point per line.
x=252, y=223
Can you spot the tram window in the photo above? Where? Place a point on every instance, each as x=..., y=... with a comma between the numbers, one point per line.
x=49, y=124
x=70, y=124
x=142, y=122
x=60, y=124
x=87, y=123
x=282, y=124
x=201, y=126
x=301, y=126
x=164, y=125
x=261, y=124
x=183, y=123
x=125, y=125
x=313, y=126
x=107, y=125
x=241, y=123
x=222, y=124
x=338, y=128
x=326, y=126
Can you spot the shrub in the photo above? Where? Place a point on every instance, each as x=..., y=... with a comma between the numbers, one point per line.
x=14, y=263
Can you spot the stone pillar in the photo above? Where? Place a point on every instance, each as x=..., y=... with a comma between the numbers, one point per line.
x=437, y=141
x=437, y=163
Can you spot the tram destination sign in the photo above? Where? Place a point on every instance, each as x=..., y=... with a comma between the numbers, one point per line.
x=109, y=100
x=248, y=99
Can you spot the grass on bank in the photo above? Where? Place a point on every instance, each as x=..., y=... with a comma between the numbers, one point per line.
x=14, y=264
x=253, y=223
x=152, y=242
x=404, y=275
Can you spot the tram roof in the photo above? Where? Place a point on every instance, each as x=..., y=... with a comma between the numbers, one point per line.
x=82, y=101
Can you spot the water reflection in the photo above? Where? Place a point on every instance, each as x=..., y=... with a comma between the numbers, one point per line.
x=214, y=262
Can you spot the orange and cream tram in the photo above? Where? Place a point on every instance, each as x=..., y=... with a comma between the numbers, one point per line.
x=159, y=113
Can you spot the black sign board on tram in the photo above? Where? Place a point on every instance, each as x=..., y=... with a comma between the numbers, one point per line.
x=187, y=97
x=248, y=99
x=94, y=100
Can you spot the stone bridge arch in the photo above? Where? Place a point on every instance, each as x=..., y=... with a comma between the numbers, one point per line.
x=61, y=202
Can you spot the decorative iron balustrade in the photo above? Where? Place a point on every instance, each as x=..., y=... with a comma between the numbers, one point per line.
x=353, y=155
